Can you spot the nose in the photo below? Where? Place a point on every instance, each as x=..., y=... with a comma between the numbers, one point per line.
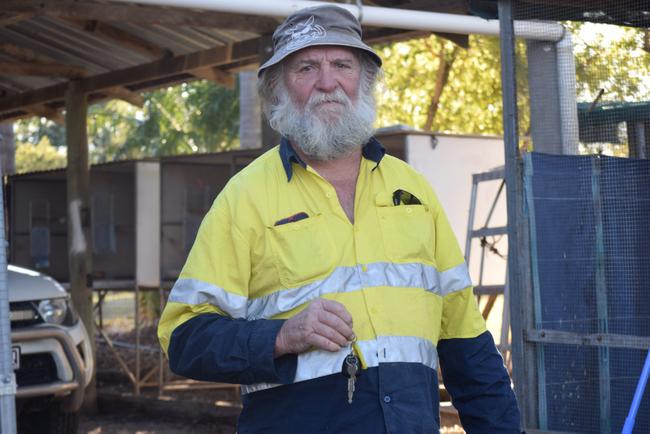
x=326, y=80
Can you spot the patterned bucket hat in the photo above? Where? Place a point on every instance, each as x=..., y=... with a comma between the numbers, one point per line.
x=319, y=25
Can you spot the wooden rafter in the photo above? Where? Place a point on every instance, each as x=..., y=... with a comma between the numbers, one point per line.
x=24, y=54
x=216, y=75
x=122, y=38
x=41, y=69
x=138, y=14
x=9, y=18
x=240, y=52
x=34, y=64
x=120, y=92
x=47, y=112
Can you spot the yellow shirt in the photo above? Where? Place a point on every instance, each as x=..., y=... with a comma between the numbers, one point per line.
x=398, y=269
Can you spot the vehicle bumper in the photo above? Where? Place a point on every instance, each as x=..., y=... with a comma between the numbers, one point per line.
x=65, y=346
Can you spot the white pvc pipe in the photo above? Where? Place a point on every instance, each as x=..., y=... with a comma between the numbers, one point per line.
x=424, y=21
x=566, y=76
x=374, y=16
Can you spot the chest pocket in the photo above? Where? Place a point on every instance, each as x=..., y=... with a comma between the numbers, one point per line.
x=303, y=250
x=408, y=233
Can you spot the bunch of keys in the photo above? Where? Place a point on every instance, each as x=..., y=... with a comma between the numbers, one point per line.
x=350, y=370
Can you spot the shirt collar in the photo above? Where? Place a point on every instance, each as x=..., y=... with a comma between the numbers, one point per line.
x=372, y=150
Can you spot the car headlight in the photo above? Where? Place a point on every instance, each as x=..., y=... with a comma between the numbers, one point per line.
x=53, y=311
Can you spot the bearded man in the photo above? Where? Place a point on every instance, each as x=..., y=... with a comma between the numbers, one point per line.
x=325, y=278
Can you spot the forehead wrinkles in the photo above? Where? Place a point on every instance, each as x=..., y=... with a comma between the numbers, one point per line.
x=320, y=54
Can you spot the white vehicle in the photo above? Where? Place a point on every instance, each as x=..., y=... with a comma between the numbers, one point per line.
x=51, y=352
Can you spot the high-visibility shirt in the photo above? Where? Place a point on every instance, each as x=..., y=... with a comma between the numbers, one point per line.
x=276, y=238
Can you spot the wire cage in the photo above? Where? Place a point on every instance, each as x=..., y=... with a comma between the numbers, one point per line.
x=584, y=111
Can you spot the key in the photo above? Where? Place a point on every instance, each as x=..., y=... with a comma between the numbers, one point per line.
x=350, y=370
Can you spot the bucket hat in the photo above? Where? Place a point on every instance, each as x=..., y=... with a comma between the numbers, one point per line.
x=318, y=25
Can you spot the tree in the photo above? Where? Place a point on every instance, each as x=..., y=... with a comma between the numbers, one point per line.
x=191, y=117
x=435, y=85
x=42, y=156
x=612, y=58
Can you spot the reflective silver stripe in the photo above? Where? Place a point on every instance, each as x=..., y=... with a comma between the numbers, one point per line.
x=384, y=349
x=192, y=291
x=342, y=279
x=390, y=349
x=454, y=279
x=350, y=279
x=411, y=275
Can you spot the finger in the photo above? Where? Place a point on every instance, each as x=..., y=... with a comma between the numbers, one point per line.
x=336, y=323
x=331, y=334
x=323, y=343
x=337, y=309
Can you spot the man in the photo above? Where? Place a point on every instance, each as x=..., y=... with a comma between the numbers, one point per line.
x=325, y=255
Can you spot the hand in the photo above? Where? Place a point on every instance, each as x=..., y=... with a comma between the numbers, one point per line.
x=324, y=324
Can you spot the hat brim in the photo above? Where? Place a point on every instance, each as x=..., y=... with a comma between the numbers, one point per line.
x=330, y=40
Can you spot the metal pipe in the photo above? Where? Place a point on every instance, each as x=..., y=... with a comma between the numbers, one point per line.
x=58, y=388
x=638, y=395
x=7, y=375
x=374, y=16
x=514, y=197
x=566, y=75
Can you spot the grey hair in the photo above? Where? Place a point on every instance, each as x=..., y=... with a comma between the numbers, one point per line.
x=267, y=85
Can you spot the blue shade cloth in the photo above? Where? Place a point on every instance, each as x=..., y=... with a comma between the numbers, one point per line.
x=576, y=198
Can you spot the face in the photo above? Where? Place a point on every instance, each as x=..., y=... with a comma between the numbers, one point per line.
x=317, y=71
x=316, y=101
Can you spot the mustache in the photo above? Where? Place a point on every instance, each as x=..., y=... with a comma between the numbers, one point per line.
x=337, y=96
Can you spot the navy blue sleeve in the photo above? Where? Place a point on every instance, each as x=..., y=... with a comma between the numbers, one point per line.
x=479, y=385
x=211, y=347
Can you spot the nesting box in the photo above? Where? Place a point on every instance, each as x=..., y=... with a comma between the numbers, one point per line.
x=144, y=216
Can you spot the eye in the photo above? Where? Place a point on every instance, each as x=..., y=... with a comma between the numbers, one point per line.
x=342, y=65
x=306, y=68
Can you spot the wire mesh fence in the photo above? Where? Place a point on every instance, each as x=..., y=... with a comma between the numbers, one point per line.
x=588, y=94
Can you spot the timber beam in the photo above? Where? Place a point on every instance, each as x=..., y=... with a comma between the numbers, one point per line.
x=9, y=18
x=215, y=75
x=41, y=69
x=31, y=63
x=121, y=37
x=44, y=111
x=141, y=75
x=120, y=92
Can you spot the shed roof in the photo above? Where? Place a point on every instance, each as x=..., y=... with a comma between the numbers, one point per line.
x=116, y=50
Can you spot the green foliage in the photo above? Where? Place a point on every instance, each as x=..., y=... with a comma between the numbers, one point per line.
x=41, y=156
x=188, y=118
x=611, y=58
x=471, y=99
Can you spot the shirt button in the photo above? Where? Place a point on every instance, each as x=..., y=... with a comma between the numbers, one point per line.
x=329, y=194
x=386, y=399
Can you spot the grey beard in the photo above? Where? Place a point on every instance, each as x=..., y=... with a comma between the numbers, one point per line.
x=320, y=134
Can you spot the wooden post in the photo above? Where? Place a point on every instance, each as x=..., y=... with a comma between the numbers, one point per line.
x=79, y=236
